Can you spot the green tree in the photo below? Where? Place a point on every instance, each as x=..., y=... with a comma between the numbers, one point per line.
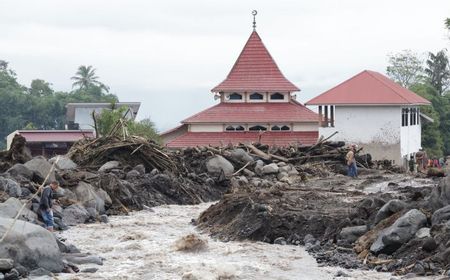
x=107, y=119
x=40, y=87
x=85, y=78
x=438, y=71
x=405, y=68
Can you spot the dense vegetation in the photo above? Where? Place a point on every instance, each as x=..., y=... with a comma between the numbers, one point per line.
x=430, y=78
x=41, y=107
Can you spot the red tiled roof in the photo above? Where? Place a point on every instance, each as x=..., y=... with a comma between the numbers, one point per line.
x=368, y=88
x=278, y=138
x=55, y=136
x=225, y=112
x=255, y=70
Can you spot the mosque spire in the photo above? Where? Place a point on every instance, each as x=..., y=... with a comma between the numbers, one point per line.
x=254, y=13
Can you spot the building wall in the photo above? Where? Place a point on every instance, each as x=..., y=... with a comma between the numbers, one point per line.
x=314, y=126
x=376, y=128
x=168, y=137
x=9, y=139
x=206, y=128
x=83, y=116
x=246, y=97
x=410, y=139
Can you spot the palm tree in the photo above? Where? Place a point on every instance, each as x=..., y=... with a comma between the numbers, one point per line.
x=86, y=78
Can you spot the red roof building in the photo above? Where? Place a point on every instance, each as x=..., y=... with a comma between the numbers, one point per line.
x=374, y=112
x=256, y=105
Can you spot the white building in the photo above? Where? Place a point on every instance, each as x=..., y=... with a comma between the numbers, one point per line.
x=374, y=112
x=79, y=115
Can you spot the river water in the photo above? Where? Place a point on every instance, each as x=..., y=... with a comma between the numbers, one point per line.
x=141, y=246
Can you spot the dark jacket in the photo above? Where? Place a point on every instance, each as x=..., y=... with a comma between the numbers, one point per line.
x=46, y=198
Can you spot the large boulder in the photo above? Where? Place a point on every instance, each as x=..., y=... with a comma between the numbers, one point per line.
x=241, y=155
x=390, y=239
x=391, y=207
x=75, y=214
x=19, y=169
x=109, y=166
x=12, y=206
x=219, y=165
x=441, y=215
x=64, y=163
x=88, y=196
x=440, y=196
x=41, y=168
x=12, y=188
x=30, y=245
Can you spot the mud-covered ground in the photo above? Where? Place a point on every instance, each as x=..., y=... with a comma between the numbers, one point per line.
x=141, y=246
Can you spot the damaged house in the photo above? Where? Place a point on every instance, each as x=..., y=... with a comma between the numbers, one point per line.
x=374, y=112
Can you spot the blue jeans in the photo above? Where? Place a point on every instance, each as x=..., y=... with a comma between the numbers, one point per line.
x=352, y=170
x=47, y=217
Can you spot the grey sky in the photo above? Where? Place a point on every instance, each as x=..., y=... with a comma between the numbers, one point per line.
x=169, y=54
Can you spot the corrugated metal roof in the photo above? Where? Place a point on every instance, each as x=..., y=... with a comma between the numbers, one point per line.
x=279, y=138
x=368, y=88
x=254, y=112
x=255, y=70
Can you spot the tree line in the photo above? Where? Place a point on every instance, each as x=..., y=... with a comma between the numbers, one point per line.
x=429, y=76
x=39, y=106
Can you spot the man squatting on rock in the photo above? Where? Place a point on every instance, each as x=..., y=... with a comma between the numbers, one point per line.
x=45, y=204
x=351, y=162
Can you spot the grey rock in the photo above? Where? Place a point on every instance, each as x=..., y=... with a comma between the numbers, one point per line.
x=423, y=232
x=6, y=264
x=13, y=274
x=92, y=213
x=351, y=234
x=41, y=168
x=105, y=196
x=441, y=215
x=280, y=241
x=270, y=169
x=88, y=196
x=241, y=155
x=62, y=192
x=75, y=214
x=248, y=173
x=440, y=195
x=30, y=245
x=12, y=206
x=282, y=175
x=19, y=169
x=140, y=168
x=293, y=172
x=12, y=188
x=64, y=163
x=89, y=270
x=391, y=207
x=40, y=272
x=67, y=248
x=390, y=239
x=104, y=219
x=309, y=239
x=259, y=167
x=243, y=181
x=84, y=259
x=23, y=271
x=25, y=192
x=132, y=174
x=109, y=165
x=59, y=224
x=219, y=165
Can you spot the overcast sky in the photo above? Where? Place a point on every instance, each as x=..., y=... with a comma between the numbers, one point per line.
x=169, y=54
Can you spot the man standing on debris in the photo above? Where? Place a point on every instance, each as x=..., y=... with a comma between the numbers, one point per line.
x=45, y=204
x=351, y=162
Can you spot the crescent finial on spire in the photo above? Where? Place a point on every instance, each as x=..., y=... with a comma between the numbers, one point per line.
x=254, y=13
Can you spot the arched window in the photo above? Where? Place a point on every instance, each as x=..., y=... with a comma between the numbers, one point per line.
x=257, y=128
x=275, y=128
x=285, y=127
x=256, y=96
x=239, y=128
x=277, y=96
x=235, y=96
x=229, y=128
